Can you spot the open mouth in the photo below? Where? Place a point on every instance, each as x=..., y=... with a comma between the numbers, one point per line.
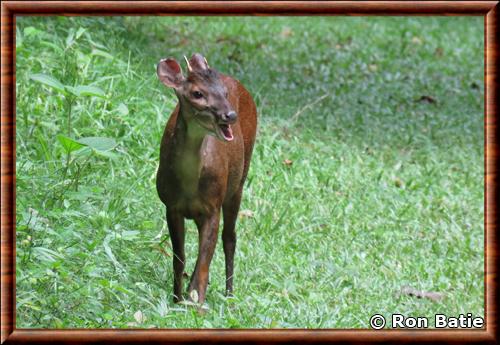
x=226, y=131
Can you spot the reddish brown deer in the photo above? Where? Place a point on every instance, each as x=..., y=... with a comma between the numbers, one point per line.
x=204, y=159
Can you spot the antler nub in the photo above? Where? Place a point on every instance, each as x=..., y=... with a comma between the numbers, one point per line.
x=190, y=69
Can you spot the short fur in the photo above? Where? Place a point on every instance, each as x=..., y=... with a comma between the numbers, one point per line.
x=200, y=174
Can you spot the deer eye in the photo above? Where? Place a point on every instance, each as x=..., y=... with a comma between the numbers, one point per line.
x=197, y=94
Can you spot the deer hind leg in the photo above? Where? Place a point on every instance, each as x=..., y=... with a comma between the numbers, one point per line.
x=230, y=211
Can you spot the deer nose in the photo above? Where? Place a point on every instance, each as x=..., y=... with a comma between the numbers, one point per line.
x=230, y=117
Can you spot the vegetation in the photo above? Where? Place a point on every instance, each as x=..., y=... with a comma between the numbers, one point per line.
x=367, y=174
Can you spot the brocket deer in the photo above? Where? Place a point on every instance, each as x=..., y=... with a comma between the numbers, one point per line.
x=204, y=159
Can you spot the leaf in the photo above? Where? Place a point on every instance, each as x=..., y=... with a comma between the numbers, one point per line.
x=110, y=254
x=98, y=143
x=70, y=38
x=51, y=45
x=439, y=52
x=286, y=32
x=398, y=182
x=84, y=152
x=79, y=33
x=122, y=109
x=416, y=40
x=129, y=234
x=69, y=144
x=97, y=44
x=139, y=316
x=19, y=38
x=102, y=53
x=107, y=154
x=34, y=307
x=49, y=81
x=207, y=324
x=31, y=31
x=434, y=296
x=83, y=90
x=246, y=213
x=194, y=296
x=45, y=254
x=426, y=98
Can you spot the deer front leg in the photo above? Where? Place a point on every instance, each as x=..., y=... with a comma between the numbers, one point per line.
x=208, y=227
x=175, y=224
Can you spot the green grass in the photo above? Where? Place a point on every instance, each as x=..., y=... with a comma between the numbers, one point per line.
x=385, y=189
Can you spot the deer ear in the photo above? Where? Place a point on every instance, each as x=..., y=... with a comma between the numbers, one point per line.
x=169, y=72
x=198, y=62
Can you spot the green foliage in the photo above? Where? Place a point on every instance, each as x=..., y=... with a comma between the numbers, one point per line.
x=367, y=173
x=98, y=144
x=82, y=90
x=69, y=144
x=49, y=81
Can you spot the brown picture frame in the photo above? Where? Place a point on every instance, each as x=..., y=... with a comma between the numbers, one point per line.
x=11, y=9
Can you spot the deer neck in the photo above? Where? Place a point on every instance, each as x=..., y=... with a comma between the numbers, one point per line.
x=189, y=138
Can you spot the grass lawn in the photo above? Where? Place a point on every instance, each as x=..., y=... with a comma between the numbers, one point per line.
x=367, y=174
